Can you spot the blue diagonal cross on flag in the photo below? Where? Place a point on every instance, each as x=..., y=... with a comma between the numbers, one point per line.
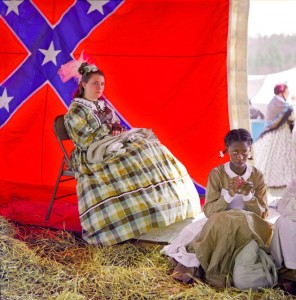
x=48, y=47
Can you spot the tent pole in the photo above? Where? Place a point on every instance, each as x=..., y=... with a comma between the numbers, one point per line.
x=238, y=103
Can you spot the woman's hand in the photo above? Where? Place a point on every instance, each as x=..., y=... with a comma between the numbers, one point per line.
x=116, y=132
x=116, y=129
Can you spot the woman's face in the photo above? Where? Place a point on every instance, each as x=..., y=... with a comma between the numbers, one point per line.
x=239, y=153
x=286, y=92
x=94, y=88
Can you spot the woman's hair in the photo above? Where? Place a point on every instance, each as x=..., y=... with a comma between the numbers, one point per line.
x=236, y=135
x=279, y=88
x=86, y=70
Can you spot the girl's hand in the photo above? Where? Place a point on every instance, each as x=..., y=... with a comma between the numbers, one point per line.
x=246, y=188
x=232, y=186
x=235, y=185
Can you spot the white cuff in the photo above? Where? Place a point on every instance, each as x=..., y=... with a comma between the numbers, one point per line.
x=248, y=197
x=227, y=197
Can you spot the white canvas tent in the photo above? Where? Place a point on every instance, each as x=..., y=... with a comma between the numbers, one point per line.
x=261, y=87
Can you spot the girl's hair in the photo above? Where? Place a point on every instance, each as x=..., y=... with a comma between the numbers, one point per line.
x=236, y=135
x=86, y=70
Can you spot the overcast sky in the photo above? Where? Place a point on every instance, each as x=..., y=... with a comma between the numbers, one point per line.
x=267, y=17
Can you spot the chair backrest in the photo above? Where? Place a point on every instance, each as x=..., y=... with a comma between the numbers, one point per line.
x=60, y=129
x=62, y=135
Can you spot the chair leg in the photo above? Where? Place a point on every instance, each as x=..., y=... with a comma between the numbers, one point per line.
x=55, y=190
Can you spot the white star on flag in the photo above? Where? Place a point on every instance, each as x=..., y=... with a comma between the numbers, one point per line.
x=97, y=5
x=13, y=6
x=4, y=100
x=50, y=54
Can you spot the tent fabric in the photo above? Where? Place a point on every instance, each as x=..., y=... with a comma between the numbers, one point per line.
x=239, y=115
x=166, y=69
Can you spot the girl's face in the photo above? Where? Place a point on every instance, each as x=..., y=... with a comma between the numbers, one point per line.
x=94, y=88
x=239, y=153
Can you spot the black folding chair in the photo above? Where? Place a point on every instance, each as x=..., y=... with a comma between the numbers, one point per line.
x=66, y=171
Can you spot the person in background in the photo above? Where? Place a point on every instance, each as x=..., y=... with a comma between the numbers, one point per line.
x=273, y=150
x=127, y=181
x=283, y=244
x=255, y=113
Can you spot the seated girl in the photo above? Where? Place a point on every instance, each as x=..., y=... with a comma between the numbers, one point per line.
x=236, y=207
x=127, y=181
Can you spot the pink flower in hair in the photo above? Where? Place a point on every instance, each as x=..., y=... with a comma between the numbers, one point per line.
x=70, y=69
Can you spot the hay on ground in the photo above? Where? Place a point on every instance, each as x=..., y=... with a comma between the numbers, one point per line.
x=40, y=263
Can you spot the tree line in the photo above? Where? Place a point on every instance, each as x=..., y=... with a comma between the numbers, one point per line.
x=271, y=54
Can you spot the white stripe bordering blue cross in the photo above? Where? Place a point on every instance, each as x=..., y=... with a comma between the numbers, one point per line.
x=48, y=48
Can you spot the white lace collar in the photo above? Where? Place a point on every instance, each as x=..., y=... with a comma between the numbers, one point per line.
x=87, y=103
x=102, y=104
x=231, y=174
x=91, y=104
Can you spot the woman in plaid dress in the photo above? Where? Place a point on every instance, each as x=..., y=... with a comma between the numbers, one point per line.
x=127, y=181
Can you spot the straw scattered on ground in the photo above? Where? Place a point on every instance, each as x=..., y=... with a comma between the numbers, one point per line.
x=40, y=263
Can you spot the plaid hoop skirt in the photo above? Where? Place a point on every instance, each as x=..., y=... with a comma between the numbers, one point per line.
x=125, y=196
